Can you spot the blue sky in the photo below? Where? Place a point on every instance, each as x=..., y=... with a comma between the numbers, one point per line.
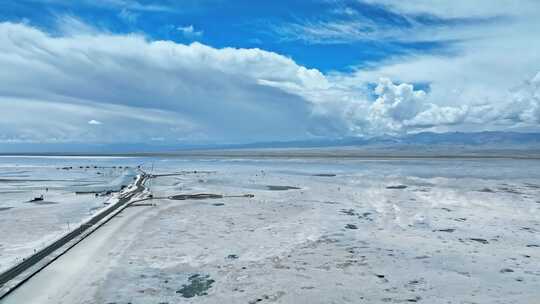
x=242, y=71
x=240, y=24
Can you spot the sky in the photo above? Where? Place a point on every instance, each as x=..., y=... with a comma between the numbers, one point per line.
x=213, y=71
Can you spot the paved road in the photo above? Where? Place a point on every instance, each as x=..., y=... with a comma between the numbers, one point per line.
x=75, y=276
x=40, y=255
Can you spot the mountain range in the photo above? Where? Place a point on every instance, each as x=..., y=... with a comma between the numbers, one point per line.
x=443, y=142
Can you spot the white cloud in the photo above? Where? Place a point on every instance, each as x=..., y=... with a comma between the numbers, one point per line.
x=398, y=108
x=398, y=102
x=490, y=48
x=68, y=25
x=27, y=119
x=460, y=8
x=438, y=116
x=328, y=32
x=525, y=103
x=147, y=90
x=128, y=16
x=459, y=20
x=493, y=51
x=202, y=93
x=94, y=122
x=113, y=4
x=189, y=31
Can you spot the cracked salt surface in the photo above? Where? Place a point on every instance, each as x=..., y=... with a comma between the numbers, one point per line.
x=437, y=240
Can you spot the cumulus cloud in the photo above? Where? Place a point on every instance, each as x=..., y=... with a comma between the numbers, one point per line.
x=395, y=105
x=52, y=88
x=492, y=52
x=398, y=102
x=525, y=103
x=156, y=88
x=485, y=52
x=398, y=109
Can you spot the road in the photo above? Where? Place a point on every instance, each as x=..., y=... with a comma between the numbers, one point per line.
x=40, y=255
x=73, y=277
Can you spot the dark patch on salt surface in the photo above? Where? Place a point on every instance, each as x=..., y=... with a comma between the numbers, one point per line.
x=5, y=208
x=351, y=226
x=397, y=187
x=195, y=196
x=365, y=216
x=281, y=188
x=325, y=175
x=529, y=229
x=479, y=240
x=270, y=298
x=415, y=299
x=450, y=230
x=198, y=286
x=348, y=212
x=509, y=190
x=505, y=270
x=43, y=203
x=464, y=273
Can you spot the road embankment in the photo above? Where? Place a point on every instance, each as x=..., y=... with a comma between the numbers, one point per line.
x=21, y=272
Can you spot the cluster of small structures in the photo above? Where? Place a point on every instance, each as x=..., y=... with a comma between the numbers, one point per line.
x=95, y=167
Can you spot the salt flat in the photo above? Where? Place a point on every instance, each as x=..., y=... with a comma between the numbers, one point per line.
x=316, y=231
x=27, y=226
